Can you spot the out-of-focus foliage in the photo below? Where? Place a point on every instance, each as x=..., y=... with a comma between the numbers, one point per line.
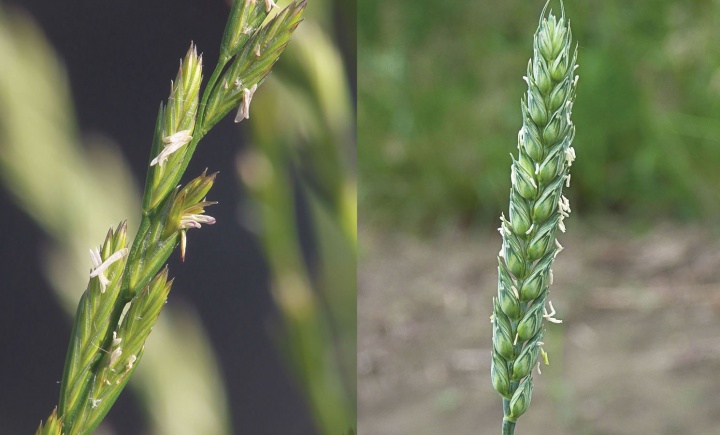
x=438, y=113
x=301, y=157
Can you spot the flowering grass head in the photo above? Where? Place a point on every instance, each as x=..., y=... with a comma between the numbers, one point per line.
x=106, y=346
x=536, y=213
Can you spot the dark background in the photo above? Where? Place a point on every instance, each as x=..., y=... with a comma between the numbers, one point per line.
x=120, y=57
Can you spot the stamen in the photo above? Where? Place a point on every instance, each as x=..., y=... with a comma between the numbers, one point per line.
x=544, y=355
x=570, y=155
x=183, y=245
x=131, y=362
x=172, y=143
x=269, y=4
x=244, y=109
x=549, y=316
x=114, y=356
x=194, y=220
x=101, y=267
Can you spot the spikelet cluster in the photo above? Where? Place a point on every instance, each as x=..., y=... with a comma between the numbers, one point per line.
x=128, y=285
x=537, y=210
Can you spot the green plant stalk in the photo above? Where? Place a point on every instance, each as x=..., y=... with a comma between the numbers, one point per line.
x=306, y=340
x=318, y=300
x=104, y=351
x=537, y=211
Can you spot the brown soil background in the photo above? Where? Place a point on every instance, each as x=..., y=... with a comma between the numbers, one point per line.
x=638, y=352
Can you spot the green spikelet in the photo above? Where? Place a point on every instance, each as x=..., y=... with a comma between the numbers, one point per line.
x=536, y=213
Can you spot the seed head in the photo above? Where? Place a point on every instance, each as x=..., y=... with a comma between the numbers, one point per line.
x=537, y=211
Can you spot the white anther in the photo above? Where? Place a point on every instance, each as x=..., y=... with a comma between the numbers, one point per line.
x=504, y=225
x=131, y=362
x=570, y=156
x=537, y=168
x=115, y=355
x=551, y=277
x=244, y=109
x=101, y=266
x=94, y=403
x=549, y=316
x=532, y=226
x=269, y=4
x=195, y=221
x=561, y=224
x=516, y=339
x=564, y=204
x=116, y=340
x=172, y=143
x=567, y=180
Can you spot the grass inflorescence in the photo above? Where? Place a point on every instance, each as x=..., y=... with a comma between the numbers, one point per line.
x=537, y=211
x=107, y=345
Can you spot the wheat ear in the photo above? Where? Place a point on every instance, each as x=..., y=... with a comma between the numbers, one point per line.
x=537, y=211
x=106, y=346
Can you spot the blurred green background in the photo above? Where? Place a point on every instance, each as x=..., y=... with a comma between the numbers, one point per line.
x=439, y=90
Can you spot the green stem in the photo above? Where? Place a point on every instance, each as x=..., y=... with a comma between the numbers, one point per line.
x=209, y=87
x=508, y=427
x=145, y=223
